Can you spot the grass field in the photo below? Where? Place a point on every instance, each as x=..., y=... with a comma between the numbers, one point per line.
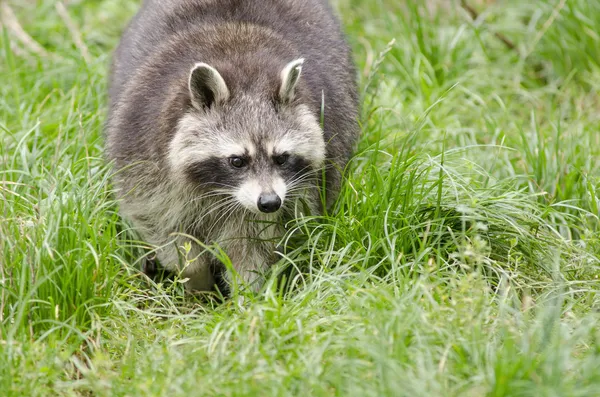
x=462, y=258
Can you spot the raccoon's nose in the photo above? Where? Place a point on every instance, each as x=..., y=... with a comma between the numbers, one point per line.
x=269, y=202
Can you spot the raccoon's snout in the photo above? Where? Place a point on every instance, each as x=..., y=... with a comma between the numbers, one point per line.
x=266, y=196
x=269, y=202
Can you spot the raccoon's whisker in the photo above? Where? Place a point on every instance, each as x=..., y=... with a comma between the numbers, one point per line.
x=300, y=177
x=199, y=191
x=293, y=199
x=224, y=206
x=208, y=195
x=202, y=197
x=297, y=192
x=328, y=165
x=207, y=201
x=217, y=205
x=214, y=207
x=290, y=207
x=304, y=177
x=234, y=209
x=304, y=174
x=303, y=171
x=309, y=171
x=227, y=212
x=219, y=184
x=304, y=182
x=295, y=187
x=198, y=222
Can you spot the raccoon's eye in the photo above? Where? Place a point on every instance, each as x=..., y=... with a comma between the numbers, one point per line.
x=281, y=159
x=237, y=162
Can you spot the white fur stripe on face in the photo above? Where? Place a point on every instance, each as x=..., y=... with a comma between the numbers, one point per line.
x=248, y=194
x=188, y=146
x=307, y=143
x=280, y=188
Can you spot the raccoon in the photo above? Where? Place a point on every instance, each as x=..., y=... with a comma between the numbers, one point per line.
x=224, y=115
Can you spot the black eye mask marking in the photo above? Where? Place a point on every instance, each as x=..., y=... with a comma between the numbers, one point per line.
x=215, y=173
x=231, y=172
x=295, y=167
x=281, y=159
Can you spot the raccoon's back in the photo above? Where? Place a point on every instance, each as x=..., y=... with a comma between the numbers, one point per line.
x=308, y=24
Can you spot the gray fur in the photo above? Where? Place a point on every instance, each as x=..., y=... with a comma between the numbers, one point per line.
x=195, y=83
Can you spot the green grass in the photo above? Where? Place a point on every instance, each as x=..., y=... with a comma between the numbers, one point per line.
x=462, y=258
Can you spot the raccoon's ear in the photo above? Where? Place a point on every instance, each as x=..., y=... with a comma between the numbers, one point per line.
x=290, y=75
x=206, y=86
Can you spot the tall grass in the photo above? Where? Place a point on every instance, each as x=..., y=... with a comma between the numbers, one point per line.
x=461, y=258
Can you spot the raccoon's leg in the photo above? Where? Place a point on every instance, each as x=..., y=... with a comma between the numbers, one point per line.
x=195, y=265
x=251, y=262
x=220, y=275
x=153, y=270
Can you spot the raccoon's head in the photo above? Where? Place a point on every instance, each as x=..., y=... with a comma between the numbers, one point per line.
x=259, y=147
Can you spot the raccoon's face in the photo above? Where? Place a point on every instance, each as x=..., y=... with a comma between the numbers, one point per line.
x=247, y=148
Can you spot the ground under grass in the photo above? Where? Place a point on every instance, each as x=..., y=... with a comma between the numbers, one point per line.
x=462, y=258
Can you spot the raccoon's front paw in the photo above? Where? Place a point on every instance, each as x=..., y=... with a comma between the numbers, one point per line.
x=152, y=269
x=222, y=285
